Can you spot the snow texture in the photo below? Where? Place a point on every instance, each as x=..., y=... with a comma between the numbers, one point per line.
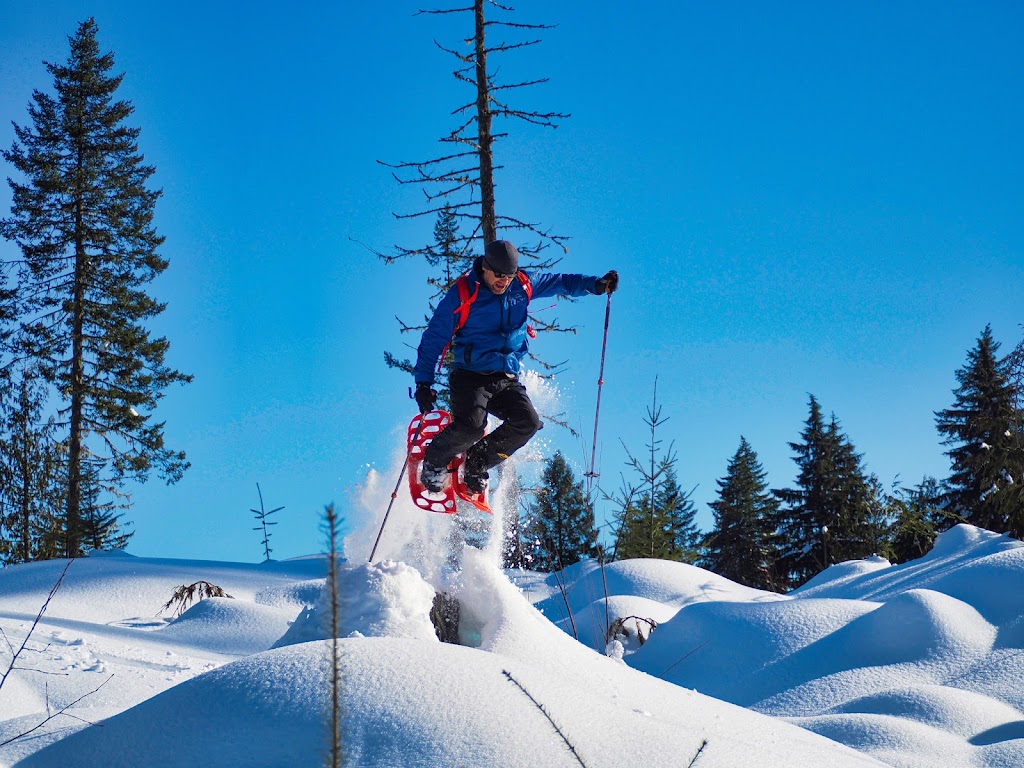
x=912, y=665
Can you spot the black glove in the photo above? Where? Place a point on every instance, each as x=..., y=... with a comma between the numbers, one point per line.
x=607, y=284
x=425, y=397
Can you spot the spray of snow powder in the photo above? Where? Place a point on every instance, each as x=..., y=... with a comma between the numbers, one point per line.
x=433, y=543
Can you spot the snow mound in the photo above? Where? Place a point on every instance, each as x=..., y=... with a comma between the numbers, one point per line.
x=233, y=627
x=385, y=599
x=919, y=625
x=965, y=563
x=114, y=589
x=408, y=702
x=837, y=576
x=917, y=664
x=294, y=596
x=732, y=650
x=950, y=710
x=672, y=584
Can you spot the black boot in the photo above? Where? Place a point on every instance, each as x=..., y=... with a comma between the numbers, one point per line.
x=433, y=478
x=474, y=474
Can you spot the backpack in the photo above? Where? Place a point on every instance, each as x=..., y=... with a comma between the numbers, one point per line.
x=466, y=303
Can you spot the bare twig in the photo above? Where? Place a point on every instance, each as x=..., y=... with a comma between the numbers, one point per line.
x=62, y=711
x=331, y=523
x=547, y=715
x=683, y=658
x=696, y=756
x=35, y=623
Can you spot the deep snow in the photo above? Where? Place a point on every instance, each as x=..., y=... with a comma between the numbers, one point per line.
x=912, y=665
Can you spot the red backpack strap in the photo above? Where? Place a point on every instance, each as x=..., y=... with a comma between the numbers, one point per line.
x=524, y=280
x=461, y=312
x=465, y=301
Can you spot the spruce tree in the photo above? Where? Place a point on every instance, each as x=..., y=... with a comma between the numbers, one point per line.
x=742, y=545
x=83, y=219
x=654, y=518
x=860, y=519
x=101, y=523
x=560, y=527
x=919, y=518
x=825, y=518
x=985, y=433
x=678, y=513
x=28, y=470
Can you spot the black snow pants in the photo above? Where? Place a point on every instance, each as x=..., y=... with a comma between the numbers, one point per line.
x=473, y=396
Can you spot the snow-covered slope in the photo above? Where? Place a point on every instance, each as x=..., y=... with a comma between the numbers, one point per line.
x=407, y=698
x=918, y=664
x=915, y=665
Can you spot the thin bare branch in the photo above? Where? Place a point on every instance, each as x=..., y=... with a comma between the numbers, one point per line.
x=441, y=12
x=62, y=711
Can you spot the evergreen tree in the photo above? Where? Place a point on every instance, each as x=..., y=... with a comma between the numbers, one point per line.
x=742, y=546
x=83, y=219
x=101, y=526
x=560, y=527
x=919, y=519
x=826, y=518
x=29, y=480
x=654, y=518
x=860, y=518
x=679, y=515
x=985, y=432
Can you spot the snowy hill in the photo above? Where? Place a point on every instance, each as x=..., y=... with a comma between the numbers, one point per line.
x=914, y=665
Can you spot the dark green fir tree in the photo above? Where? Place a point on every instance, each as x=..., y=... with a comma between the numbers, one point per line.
x=30, y=481
x=447, y=262
x=742, y=546
x=559, y=529
x=101, y=521
x=919, y=518
x=678, y=513
x=826, y=518
x=82, y=216
x=655, y=519
x=984, y=430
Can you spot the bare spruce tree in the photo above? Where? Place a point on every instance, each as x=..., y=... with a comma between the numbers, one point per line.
x=464, y=178
x=459, y=186
x=83, y=219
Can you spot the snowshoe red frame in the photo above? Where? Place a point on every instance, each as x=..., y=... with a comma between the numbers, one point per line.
x=444, y=502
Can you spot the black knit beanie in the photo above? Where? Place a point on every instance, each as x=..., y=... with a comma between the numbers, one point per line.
x=502, y=257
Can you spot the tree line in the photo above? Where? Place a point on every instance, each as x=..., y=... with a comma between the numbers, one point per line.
x=779, y=538
x=80, y=373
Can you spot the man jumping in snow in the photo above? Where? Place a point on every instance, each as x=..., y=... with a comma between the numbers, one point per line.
x=487, y=354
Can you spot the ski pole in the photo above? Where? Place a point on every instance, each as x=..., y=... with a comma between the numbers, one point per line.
x=600, y=383
x=394, y=493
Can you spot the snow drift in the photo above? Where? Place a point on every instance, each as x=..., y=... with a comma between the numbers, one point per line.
x=915, y=665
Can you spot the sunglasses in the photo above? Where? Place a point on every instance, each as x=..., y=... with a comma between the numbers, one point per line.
x=498, y=274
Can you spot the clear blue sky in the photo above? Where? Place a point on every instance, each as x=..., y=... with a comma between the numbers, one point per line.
x=801, y=197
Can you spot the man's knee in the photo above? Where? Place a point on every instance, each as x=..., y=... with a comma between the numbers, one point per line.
x=534, y=423
x=527, y=423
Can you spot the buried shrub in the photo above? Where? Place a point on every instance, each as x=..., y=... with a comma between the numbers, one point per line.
x=187, y=594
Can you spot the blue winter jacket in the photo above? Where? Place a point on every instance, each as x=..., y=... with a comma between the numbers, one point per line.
x=494, y=337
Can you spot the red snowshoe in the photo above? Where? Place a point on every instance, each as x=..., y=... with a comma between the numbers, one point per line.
x=443, y=501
